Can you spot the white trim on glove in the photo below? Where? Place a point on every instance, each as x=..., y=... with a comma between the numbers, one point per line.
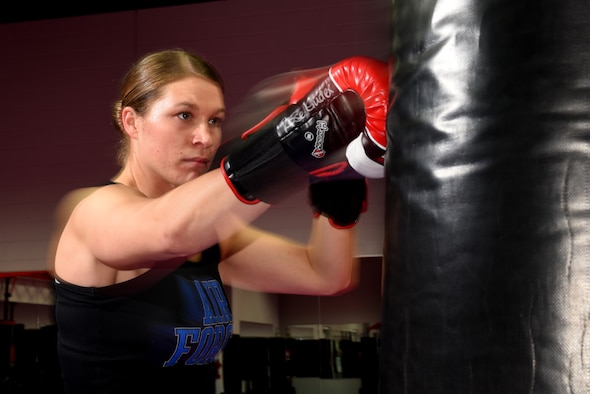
x=360, y=162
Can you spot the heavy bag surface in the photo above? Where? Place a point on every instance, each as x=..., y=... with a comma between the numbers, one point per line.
x=487, y=249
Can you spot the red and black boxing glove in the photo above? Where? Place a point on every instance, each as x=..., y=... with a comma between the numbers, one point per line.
x=307, y=137
x=366, y=153
x=340, y=196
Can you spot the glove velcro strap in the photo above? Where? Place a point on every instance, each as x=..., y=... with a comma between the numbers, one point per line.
x=259, y=170
x=341, y=201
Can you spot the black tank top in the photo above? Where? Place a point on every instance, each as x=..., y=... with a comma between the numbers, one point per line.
x=156, y=331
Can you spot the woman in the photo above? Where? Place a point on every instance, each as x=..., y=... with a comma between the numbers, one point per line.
x=140, y=262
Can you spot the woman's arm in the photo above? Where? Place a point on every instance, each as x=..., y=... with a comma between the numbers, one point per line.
x=125, y=230
x=258, y=261
x=62, y=213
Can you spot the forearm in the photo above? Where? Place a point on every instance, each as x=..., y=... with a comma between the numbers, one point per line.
x=202, y=212
x=332, y=254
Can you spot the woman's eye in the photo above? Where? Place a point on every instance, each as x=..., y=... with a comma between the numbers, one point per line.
x=216, y=122
x=184, y=115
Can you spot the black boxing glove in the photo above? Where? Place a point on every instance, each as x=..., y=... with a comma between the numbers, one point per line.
x=342, y=200
x=277, y=156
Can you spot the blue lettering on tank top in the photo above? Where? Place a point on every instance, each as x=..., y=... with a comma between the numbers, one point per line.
x=215, y=306
x=200, y=345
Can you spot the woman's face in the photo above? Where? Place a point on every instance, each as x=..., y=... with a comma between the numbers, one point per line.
x=180, y=132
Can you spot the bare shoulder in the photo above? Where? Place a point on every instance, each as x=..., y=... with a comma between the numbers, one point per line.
x=76, y=213
x=62, y=213
x=67, y=203
x=95, y=196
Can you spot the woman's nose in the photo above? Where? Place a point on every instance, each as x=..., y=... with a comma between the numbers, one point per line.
x=204, y=135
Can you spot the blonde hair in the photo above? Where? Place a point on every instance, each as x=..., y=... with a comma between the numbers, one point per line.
x=143, y=84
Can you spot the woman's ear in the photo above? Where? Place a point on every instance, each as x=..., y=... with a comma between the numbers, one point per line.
x=129, y=118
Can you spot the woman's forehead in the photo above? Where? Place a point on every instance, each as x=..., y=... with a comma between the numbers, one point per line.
x=192, y=91
x=192, y=85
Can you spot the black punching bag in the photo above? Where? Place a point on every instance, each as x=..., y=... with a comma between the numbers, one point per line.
x=487, y=249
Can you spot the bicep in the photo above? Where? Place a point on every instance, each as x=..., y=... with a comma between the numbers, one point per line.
x=118, y=228
x=256, y=260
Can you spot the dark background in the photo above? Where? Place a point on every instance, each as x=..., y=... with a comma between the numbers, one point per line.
x=25, y=11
